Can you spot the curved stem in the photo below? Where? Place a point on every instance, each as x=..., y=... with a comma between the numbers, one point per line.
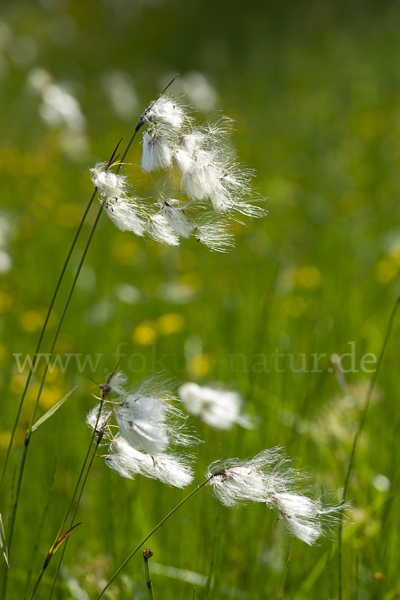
x=29, y=432
x=33, y=364
x=151, y=533
x=357, y=436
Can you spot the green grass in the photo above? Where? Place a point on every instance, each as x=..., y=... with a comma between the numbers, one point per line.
x=315, y=91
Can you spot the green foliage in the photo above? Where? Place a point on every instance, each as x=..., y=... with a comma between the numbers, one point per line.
x=315, y=91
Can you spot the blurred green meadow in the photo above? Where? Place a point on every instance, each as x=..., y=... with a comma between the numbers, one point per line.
x=314, y=89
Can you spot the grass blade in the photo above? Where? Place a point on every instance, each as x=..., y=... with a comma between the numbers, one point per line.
x=51, y=412
x=50, y=555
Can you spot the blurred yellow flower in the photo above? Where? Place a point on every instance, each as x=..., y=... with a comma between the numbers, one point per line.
x=199, y=366
x=145, y=333
x=33, y=320
x=170, y=323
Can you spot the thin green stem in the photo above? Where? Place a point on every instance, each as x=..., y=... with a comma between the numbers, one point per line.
x=285, y=572
x=79, y=497
x=357, y=436
x=29, y=432
x=146, y=555
x=117, y=572
x=34, y=363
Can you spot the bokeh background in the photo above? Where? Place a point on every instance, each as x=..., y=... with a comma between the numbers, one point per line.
x=314, y=89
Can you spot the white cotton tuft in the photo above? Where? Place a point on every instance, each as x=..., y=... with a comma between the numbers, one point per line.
x=126, y=215
x=109, y=184
x=177, y=219
x=117, y=383
x=270, y=476
x=93, y=418
x=142, y=423
x=161, y=231
x=171, y=470
x=166, y=111
x=214, y=233
x=142, y=434
x=156, y=152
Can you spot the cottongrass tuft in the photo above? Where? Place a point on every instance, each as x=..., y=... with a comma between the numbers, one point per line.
x=149, y=425
x=270, y=478
x=172, y=470
x=218, y=189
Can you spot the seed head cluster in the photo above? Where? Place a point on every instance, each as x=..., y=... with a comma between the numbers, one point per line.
x=148, y=427
x=270, y=478
x=213, y=188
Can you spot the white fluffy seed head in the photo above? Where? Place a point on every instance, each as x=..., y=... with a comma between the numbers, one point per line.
x=304, y=517
x=108, y=183
x=150, y=420
x=214, y=233
x=167, y=112
x=160, y=230
x=126, y=215
x=144, y=435
x=238, y=484
x=170, y=469
x=93, y=418
x=142, y=423
x=156, y=152
x=177, y=218
x=269, y=477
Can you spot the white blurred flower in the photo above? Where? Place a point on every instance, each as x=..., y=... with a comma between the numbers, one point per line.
x=217, y=407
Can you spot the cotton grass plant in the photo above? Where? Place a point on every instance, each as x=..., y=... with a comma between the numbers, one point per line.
x=139, y=429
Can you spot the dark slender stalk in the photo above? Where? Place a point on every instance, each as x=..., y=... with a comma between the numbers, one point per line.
x=285, y=572
x=34, y=363
x=117, y=572
x=357, y=436
x=146, y=555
